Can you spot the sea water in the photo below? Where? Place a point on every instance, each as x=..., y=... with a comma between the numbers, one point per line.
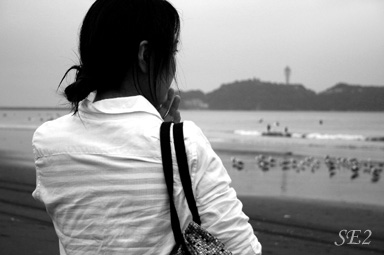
x=326, y=125
x=245, y=134
x=348, y=134
x=310, y=125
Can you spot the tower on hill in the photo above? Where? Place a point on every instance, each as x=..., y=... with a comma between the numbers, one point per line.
x=287, y=72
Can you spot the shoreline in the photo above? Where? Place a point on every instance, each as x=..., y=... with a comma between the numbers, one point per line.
x=361, y=150
x=283, y=225
x=296, y=181
x=284, y=207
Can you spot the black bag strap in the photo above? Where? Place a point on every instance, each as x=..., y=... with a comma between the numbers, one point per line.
x=166, y=156
x=181, y=155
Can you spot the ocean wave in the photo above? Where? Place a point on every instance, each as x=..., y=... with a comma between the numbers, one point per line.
x=18, y=127
x=315, y=136
x=248, y=132
x=319, y=136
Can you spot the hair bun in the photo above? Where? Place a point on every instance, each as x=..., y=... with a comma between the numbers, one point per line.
x=77, y=91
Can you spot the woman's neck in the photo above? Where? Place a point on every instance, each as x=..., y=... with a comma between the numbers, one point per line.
x=126, y=89
x=113, y=94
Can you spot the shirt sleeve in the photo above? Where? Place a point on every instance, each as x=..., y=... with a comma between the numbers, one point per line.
x=219, y=208
x=37, y=158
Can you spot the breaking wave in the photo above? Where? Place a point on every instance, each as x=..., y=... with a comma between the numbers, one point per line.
x=18, y=126
x=316, y=136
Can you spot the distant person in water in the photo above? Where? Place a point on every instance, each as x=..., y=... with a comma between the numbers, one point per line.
x=99, y=168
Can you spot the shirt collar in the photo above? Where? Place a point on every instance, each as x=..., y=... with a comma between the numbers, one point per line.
x=118, y=105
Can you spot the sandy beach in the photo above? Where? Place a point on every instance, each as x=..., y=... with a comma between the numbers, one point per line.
x=283, y=222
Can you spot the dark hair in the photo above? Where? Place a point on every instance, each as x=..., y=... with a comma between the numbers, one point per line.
x=109, y=42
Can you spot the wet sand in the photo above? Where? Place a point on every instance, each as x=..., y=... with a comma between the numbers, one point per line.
x=283, y=224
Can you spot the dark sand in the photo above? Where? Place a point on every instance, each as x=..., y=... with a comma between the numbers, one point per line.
x=283, y=225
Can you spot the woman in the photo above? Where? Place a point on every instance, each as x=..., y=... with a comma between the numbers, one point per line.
x=99, y=169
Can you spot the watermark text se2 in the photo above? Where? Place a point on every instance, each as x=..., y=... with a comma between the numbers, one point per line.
x=353, y=237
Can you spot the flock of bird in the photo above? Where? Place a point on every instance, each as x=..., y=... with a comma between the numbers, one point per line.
x=333, y=164
x=356, y=167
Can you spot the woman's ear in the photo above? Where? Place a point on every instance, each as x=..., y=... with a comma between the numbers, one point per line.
x=143, y=56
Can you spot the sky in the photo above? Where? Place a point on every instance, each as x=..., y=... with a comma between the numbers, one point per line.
x=324, y=42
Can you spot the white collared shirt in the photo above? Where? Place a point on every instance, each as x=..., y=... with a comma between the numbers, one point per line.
x=100, y=176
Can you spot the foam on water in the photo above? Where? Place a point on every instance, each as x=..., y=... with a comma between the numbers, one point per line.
x=315, y=136
x=335, y=137
x=19, y=126
x=248, y=132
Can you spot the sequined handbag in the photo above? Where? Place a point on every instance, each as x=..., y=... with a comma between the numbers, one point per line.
x=195, y=240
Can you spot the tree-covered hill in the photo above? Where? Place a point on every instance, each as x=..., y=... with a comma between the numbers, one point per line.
x=258, y=95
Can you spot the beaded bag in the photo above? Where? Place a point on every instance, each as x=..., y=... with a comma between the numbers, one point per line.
x=195, y=240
